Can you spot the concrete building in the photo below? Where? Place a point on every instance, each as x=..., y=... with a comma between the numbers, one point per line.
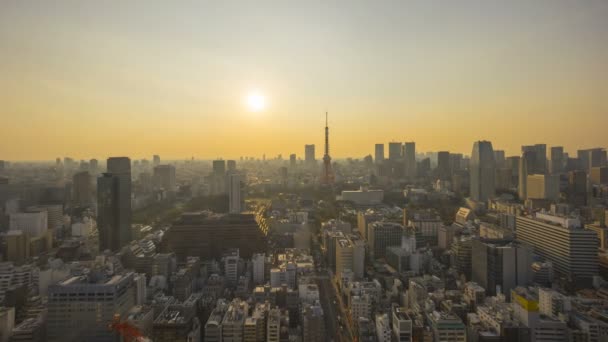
x=114, y=204
x=379, y=153
x=7, y=323
x=409, y=154
x=233, y=324
x=383, y=328
x=309, y=154
x=483, y=171
x=350, y=255
x=538, y=163
x=599, y=175
x=313, y=323
x=542, y=187
x=81, y=307
x=444, y=169
x=572, y=249
x=590, y=158
x=258, y=260
x=557, y=160
x=33, y=222
x=526, y=162
x=364, y=197
x=499, y=265
x=231, y=266
x=236, y=193
x=446, y=327
x=382, y=235
x=164, y=177
x=402, y=325
x=394, y=151
x=82, y=189
x=542, y=328
x=208, y=235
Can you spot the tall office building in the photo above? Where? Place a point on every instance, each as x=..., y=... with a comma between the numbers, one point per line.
x=93, y=166
x=402, y=325
x=499, y=265
x=236, y=193
x=82, y=189
x=219, y=167
x=292, y=160
x=557, y=159
x=577, y=187
x=444, y=170
x=543, y=187
x=164, y=177
x=80, y=308
x=114, y=204
x=483, y=171
x=527, y=159
x=409, y=151
x=382, y=235
x=379, y=153
x=394, y=151
x=309, y=154
x=155, y=160
x=231, y=165
x=499, y=158
x=571, y=248
x=538, y=165
x=593, y=157
x=313, y=323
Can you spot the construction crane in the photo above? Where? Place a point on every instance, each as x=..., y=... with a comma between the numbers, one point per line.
x=128, y=332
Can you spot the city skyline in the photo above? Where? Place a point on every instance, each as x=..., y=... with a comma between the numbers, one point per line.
x=236, y=79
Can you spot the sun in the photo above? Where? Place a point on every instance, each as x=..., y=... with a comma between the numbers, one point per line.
x=255, y=101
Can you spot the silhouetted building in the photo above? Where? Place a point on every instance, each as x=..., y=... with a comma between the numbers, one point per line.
x=114, y=205
x=208, y=235
x=379, y=153
x=483, y=173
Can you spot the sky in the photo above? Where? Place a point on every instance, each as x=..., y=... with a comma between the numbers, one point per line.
x=105, y=78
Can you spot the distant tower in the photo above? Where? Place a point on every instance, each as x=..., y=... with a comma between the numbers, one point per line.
x=327, y=178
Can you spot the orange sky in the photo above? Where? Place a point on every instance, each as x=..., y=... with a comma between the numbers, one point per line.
x=108, y=78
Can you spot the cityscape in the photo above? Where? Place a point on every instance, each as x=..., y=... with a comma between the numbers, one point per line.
x=323, y=225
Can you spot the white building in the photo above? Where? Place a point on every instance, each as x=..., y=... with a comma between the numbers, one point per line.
x=364, y=196
x=383, y=328
x=402, y=325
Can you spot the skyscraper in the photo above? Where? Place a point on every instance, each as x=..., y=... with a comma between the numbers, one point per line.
x=593, y=157
x=82, y=189
x=557, y=159
x=483, y=171
x=443, y=165
x=164, y=177
x=114, y=204
x=394, y=151
x=236, y=196
x=327, y=178
x=309, y=154
x=537, y=165
x=155, y=160
x=410, y=159
x=527, y=159
x=379, y=153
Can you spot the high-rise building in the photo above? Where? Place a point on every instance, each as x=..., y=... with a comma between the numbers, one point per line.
x=81, y=307
x=292, y=160
x=327, y=176
x=577, y=187
x=571, y=248
x=525, y=162
x=499, y=157
x=483, y=171
x=382, y=235
x=538, y=165
x=500, y=265
x=350, y=255
x=593, y=157
x=164, y=177
x=236, y=193
x=402, y=325
x=410, y=159
x=444, y=170
x=259, y=262
x=557, y=159
x=542, y=187
x=219, y=167
x=155, y=160
x=394, y=151
x=309, y=154
x=231, y=165
x=598, y=175
x=379, y=153
x=313, y=323
x=82, y=189
x=114, y=204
